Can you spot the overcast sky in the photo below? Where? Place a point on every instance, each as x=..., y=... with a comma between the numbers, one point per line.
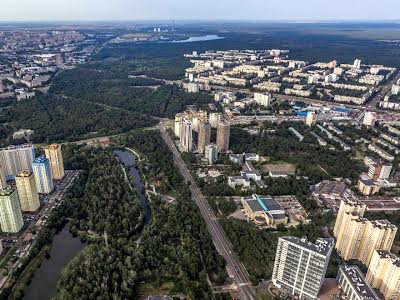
x=50, y=10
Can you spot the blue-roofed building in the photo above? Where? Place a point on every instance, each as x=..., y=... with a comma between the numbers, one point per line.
x=42, y=171
x=264, y=210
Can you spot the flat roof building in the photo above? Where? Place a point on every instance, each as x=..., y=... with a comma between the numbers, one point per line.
x=54, y=155
x=27, y=191
x=300, y=266
x=10, y=211
x=353, y=284
x=42, y=173
x=264, y=210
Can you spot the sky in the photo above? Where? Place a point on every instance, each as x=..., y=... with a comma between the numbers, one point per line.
x=268, y=10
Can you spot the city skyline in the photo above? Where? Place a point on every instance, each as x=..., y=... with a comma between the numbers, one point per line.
x=254, y=10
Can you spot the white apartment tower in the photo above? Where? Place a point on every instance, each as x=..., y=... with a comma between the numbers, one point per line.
x=16, y=159
x=10, y=211
x=300, y=265
x=186, y=135
x=263, y=99
x=369, y=119
x=311, y=118
x=357, y=64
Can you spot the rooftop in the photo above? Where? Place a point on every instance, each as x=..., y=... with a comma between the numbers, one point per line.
x=322, y=246
x=41, y=159
x=361, y=287
x=264, y=203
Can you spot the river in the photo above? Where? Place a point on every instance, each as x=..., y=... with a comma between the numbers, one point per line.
x=44, y=283
x=65, y=247
x=204, y=38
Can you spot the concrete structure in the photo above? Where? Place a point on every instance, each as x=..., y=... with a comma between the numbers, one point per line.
x=27, y=191
x=10, y=211
x=263, y=99
x=223, y=133
x=311, y=118
x=186, y=135
x=193, y=87
x=369, y=119
x=264, y=210
x=54, y=155
x=357, y=64
x=3, y=180
x=353, y=284
x=42, y=173
x=367, y=186
x=211, y=153
x=379, y=170
x=384, y=274
x=300, y=266
x=214, y=119
x=16, y=159
x=357, y=237
x=204, y=136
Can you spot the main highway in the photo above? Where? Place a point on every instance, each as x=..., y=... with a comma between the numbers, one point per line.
x=221, y=242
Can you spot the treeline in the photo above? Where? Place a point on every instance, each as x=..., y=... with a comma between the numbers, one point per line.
x=59, y=119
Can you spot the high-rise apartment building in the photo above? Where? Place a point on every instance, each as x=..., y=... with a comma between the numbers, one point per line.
x=384, y=274
x=186, y=135
x=311, y=119
x=214, y=119
x=10, y=211
x=211, y=153
x=353, y=284
x=357, y=64
x=203, y=136
x=27, y=191
x=369, y=119
x=3, y=179
x=357, y=237
x=54, y=155
x=16, y=159
x=300, y=265
x=42, y=173
x=223, y=133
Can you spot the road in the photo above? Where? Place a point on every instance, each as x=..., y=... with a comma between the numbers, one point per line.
x=384, y=90
x=221, y=242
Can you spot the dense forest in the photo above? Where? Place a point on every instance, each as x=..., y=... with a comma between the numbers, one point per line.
x=174, y=249
x=57, y=119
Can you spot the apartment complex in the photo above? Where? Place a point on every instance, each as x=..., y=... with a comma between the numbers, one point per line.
x=16, y=159
x=42, y=174
x=27, y=191
x=384, y=274
x=186, y=134
x=300, y=265
x=54, y=155
x=357, y=237
x=311, y=119
x=353, y=284
x=10, y=211
x=223, y=133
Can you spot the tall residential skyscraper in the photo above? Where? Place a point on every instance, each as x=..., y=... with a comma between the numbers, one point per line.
x=10, y=212
x=357, y=237
x=300, y=265
x=186, y=135
x=3, y=180
x=214, y=119
x=211, y=153
x=369, y=119
x=42, y=173
x=27, y=191
x=54, y=155
x=223, y=133
x=384, y=274
x=16, y=159
x=204, y=136
x=262, y=99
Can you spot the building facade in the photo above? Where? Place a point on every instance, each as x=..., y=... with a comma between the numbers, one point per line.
x=300, y=266
x=357, y=237
x=311, y=119
x=54, y=155
x=211, y=153
x=186, y=135
x=353, y=284
x=204, y=136
x=10, y=211
x=369, y=119
x=223, y=133
x=42, y=174
x=384, y=274
x=27, y=191
x=16, y=159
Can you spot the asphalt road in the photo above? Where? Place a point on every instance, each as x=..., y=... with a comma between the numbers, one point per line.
x=221, y=242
